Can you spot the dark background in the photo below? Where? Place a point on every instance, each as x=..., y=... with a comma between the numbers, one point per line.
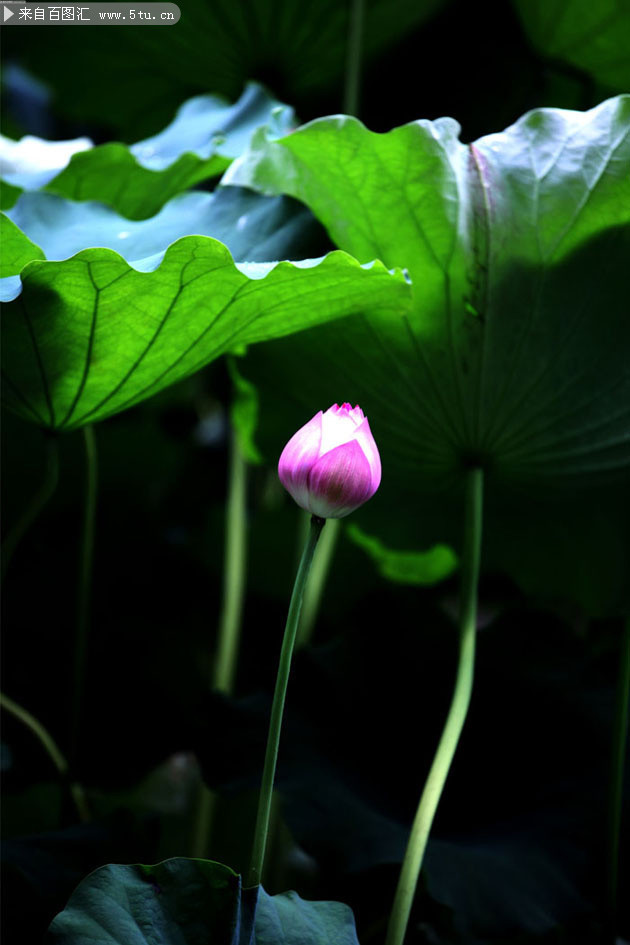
x=518, y=839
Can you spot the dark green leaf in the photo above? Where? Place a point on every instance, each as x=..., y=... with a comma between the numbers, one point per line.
x=594, y=37
x=216, y=46
x=193, y=902
x=179, y=901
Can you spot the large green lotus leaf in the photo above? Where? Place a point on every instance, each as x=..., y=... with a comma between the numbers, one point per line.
x=204, y=137
x=192, y=902
x=215, y=46
x=594, y=37
x=254, y=228
x=517, y=351
x=91, y=335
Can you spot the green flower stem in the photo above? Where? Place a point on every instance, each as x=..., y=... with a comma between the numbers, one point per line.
x=224, y=668
x=35, y=506
x=353, y=61
x=50, y=747
x=615, y=806
x=273, y=739
x=434, y=785
x=322, y=561
x=203, y=818
x=85, y=583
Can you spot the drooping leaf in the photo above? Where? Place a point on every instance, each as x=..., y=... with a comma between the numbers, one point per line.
x=188, y=902
x=90, y=335
x=594, y=37
x=193, y=902
x=406, y=567
x=200, y=142
x=517, y=352
x=254, y=228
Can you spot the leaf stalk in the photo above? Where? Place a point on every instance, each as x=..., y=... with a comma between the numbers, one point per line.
x=430, y=798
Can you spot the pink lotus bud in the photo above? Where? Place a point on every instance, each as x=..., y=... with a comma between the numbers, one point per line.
x=331, y=465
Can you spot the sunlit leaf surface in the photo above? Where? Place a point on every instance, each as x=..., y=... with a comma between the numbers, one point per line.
x=91, y=335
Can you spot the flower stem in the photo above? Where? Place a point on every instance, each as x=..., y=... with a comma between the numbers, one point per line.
x=353, y=60
x=85, y=584
x=322, y=561
x=35, y=506
x=273, y=739
x=438, y=773
x=224, y=668
x=52, y=750
x=615, y=804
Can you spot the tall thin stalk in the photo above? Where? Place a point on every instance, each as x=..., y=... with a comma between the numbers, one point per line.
x=438, y=773
x=261, y=829
x=224, y=670
x=84, y=594
x=225, y=664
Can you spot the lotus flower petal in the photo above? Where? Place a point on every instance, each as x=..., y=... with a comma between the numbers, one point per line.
x=340, y=481
x=297, y=458
x=331, y=465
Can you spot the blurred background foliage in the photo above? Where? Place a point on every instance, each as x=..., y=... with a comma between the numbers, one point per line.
x=518, y=840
